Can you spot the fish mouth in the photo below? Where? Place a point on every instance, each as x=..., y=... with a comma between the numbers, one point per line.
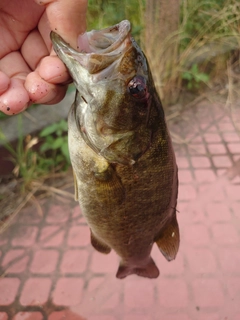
x=97, y=49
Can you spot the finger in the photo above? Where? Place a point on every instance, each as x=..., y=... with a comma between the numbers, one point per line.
x=4, y=82
x=15, y=99
x=52, y=70
x=68, y=18
x=13, y=65
x=41, y=91
x=34, y=49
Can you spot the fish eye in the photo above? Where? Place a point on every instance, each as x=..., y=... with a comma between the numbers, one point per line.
x=137, y=87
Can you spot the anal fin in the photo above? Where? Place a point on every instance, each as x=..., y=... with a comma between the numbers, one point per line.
x=168, y=240
x=99, y=245
x=150, y=270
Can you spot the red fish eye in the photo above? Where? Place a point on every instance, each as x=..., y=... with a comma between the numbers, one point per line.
x=137, y=87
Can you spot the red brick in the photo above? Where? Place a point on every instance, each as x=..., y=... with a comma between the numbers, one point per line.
x=15, y=261
x=200, y=162
x=212, y=137
x=35, y=291
x=74, y=261
x=196, y=235
x=217, y=148
x=65, y=315
x=8, y=289
x=68, y=291
x=236, y=209
x=236, y=316
x=201, y=260
x=24, y=236
x=196, y=149
x=186, y=192
x=234, y=147
x=209, y=316
x=233, y=287
x=29, y=215
x=222, y=161
x=231, y=137
x=173, y=293
x=103, y=317
x=225, y=234
x=3, y=316
x=177, y=316
x=233, y=192
x=28, y=316
x=44, y=261
x=79, y=236
x=52, y=236
x=102, y=263
x=137, y=317
x=138, y=293
x=204, y=175
x=3, y=239
x=184, y=176
x=230, y=260
x=77, y=213
x=57, y=214
x=208, y=293
x=182, y=162
x=218, y=212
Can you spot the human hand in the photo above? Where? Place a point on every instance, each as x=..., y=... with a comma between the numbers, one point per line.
x=30, y=71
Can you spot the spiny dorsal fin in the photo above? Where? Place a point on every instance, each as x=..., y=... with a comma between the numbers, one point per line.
x=168, y=240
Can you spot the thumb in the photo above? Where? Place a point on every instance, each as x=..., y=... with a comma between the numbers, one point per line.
x=66, y=17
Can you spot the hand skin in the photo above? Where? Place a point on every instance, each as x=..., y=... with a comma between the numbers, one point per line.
x=30, y=71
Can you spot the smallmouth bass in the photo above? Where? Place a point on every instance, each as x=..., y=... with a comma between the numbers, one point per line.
x=122, y=157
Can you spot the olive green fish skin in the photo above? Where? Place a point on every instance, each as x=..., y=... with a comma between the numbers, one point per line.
x=124, y=164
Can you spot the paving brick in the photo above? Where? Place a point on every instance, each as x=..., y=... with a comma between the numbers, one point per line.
x=137, y=317
x=15, y=261
x=173, y=293
x=103, y=317
x=28, y=316
x=184, y=176
x=196, y=235
x=74, y=261
x=29, y=215
x=222, y=161
x=231, y=137
x=208, y=293
x=236, y=209
x=204, y=175
x=224, y=233
x=65, y=315
x=8, y=289
x=102, y=263
x=44, y=261
x=58, y=214
x=230, y=260
x=200, y=162
x=212, y=137
x=201, y=260
x=209, y=316
x=186, y=192
x=182, y=162
x=218, y=212
x=177, y=316
x=233, y=192
x=78, y=236
x=24, y=236
x=138, y=293
x=234, y=147
x=52, y=236
x=68, y=291
x=217, y=148
x=35, y=291
x=3, y=239
x=196, y=149
x=236, y=316
x=3, y=316
x=233, y=287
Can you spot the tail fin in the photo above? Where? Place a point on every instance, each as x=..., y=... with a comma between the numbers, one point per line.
x=150, y=270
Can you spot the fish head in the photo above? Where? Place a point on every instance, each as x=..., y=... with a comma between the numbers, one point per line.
x=113, y=106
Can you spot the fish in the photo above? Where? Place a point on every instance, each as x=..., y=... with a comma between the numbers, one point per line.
x=124, y=166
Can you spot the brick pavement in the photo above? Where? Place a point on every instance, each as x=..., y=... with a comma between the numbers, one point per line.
x=50, y=271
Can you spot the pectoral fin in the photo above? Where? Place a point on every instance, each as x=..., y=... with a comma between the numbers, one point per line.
x=168, y=240
x=99, y=245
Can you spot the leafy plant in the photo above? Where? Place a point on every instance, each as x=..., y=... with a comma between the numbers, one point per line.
x=194, y=77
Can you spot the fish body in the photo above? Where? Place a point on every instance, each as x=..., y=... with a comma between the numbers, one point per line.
x=121, y=152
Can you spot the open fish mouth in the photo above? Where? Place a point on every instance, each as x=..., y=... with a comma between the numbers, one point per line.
x=97, y=49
